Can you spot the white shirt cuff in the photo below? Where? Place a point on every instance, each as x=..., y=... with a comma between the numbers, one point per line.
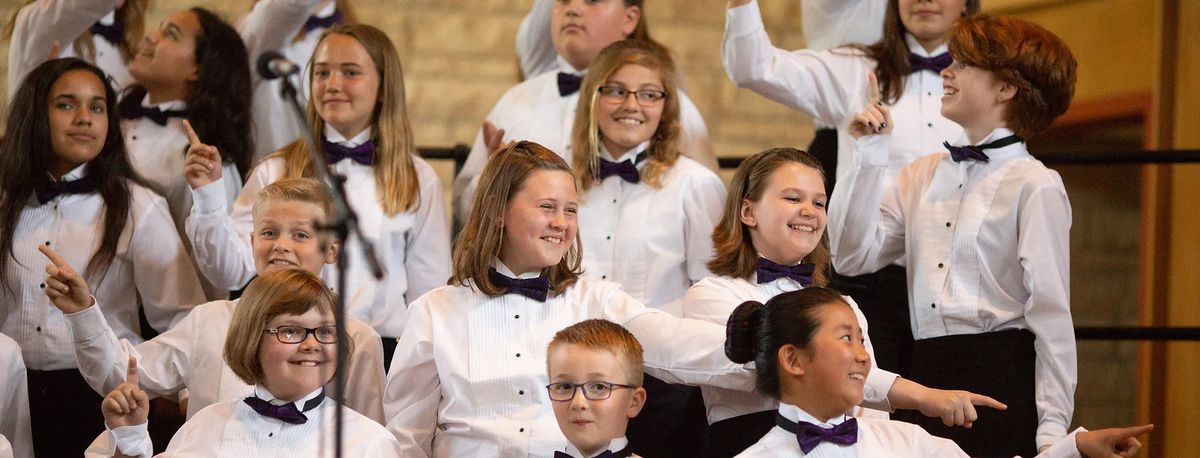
x=133, y=440
x=744, y=20
x=1065, y=447
x=210, y=198
x=872, y=150
x=88, y=323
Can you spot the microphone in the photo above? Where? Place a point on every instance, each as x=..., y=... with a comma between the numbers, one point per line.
x=272, y=64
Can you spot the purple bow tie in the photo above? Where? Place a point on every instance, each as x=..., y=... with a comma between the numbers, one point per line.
x=809, y=436
x=568, y=83
x=111, y=33
x=287, y=413
x=363, y=154
x=934, y=64
x=534, y=288
x=975, y=152
x=605, y=454
x=326, y=22
x=48, y=190
x=769, y=271
x=624, y=169
x=160, y=117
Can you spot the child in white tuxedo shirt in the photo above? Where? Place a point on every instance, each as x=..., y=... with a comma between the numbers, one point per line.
x=985, y=231
x=359, y=115
x=283, y=341
x=68, y=185
x=808, y=350
x=469, y=371
x=14, y=401
x=287, y=235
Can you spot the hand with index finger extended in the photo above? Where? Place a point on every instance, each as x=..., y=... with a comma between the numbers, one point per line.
x=128, y=404
x=1111, y=442
x=875, y=118
x=203, y=163
x=64, y=286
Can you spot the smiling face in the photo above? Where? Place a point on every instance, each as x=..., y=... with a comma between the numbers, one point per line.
x=929, y=20
x=591, y=424
x=167, y=56
x=345, y=84
x=291, y=371
x=625, y=123
x=78, y=118
x=581, y=28
x=834, y=365
x=787, y=222
x=974, y=98
x=540, y=222
x=286, y=237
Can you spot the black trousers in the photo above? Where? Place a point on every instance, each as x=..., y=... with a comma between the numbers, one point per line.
x=672, y=422
x=883, y=298
x=998, y=364
x=389, y=350
x=731, y=436
x=64, y=413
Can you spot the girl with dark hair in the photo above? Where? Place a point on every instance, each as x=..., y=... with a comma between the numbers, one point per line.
x=359, y=115
x=833, y=85
x=470, y=364
x=194, y=67
x=985, y=232
x=292, y=28
x=104, y=32
x=809, y=353
x=770, y=241
x=68, y=186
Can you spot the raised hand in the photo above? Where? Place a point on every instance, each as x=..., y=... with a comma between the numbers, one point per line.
x=203, y=163
x=875, y=118
x=127, y=405
x=492, y=138
x=1111, y=442
x=64, y=286
x=956, y=407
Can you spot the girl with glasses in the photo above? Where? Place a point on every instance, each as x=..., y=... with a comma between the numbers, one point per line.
x=647, y=211
x=280, y=341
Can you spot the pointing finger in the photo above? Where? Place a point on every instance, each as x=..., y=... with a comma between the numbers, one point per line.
x=191, y=133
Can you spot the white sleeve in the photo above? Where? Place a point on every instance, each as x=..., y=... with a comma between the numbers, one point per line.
x=708, y=302
x=271, y=24
x=365, y=373
x=1065, y=447
x=427, y=260
x=14, y=399
x=830, y=86
x=702, y=207
x=866, y=219
x=678, y=350
x=535, y=48
x=1043, y=248
x=103, y=359
x=414, y=391
x=221, y=247
x=693, y=139
x=127, y=441
x=166, y=281
x=39, y=24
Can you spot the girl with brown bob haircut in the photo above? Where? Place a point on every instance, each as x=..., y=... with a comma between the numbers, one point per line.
x=985, y=233
x=472, y=352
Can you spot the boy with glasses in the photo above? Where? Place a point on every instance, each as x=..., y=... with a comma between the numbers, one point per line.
x=595, y=370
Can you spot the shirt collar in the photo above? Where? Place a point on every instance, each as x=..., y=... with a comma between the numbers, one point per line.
x=75, y=173
x=915, y=47
x=997, y=154
x=164, y=106
x=504, y=270
x=797, y=414
x=333, y=136
x=631, y=155
x=565, y=67
x=615, y=445
x=262, y=393
x=109, y=19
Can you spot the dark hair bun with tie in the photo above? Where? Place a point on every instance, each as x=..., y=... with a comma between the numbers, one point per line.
x=741, y=332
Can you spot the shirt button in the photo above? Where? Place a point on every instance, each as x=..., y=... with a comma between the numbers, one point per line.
x=929, y=94
x=947, y=224
x=518, y=355
x=270, y=434
x=604, y=277
x=522, y=392
x=940, y=265
x=522, y=430
x=933, y=306
x=608, y=237
x=43, y=285
x=47, y=243
x=39, y=329
x=929, y=124
x=516, y=317
x=135, y=137
x=614, y=201
x=960, y=186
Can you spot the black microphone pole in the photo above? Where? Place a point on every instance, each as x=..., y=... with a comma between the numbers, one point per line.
x=343, y=225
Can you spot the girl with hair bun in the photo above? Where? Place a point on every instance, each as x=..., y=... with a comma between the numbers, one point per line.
x=809, y=353
x=771, y=240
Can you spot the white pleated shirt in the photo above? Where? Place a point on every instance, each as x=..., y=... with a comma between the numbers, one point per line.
x=987, y=247
x=654, y=242
x=469, y=374
x=14, y=401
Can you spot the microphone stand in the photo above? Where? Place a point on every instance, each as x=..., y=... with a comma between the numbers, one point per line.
x=344, y=224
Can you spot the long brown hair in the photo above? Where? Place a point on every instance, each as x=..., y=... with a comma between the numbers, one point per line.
x=735, y=255
x=395, y=175
x=891, y=52
x=480, y=239
x=585, y=134
x=132, y=15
